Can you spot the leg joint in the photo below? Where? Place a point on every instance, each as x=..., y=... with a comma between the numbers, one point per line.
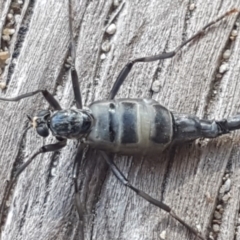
x=222, y=126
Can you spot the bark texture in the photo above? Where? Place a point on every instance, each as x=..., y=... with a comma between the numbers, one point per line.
x=187, y=178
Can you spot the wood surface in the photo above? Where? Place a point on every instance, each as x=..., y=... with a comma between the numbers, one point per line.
x=187, y=177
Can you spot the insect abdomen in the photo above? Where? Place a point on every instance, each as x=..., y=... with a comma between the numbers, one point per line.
x=130, y=126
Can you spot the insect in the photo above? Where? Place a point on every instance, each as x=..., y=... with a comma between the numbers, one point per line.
x=121, y=134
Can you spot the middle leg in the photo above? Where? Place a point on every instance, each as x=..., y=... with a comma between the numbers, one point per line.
x=74, y=75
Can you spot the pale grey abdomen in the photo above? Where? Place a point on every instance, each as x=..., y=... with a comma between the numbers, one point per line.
x=130, y=126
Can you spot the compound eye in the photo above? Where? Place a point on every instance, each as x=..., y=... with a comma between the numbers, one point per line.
x=42, y=130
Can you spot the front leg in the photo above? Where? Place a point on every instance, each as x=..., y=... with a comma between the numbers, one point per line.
x=47, y=95
x=47, y=148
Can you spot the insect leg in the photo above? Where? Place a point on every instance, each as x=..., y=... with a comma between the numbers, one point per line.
x=119, y=175
x=125, y=71
x=74, y=75
x=48, y=96
x=43, y=149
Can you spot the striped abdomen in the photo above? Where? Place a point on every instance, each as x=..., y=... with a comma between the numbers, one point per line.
x=130, y=126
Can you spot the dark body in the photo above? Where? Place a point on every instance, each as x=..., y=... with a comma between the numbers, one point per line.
x=125, y=126
x=133, y=126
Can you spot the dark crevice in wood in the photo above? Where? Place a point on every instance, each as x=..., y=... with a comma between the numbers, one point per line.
x=95, y=71
x=91, y=189
x=78, y=28
x=187, y=19
x=54, y=158
x=104, y=36
x=133, y=42
x=23, y=218
x=62, y=76
x=136, y=37
x=220, y=5
x=5, y=6
x=109, y=13
x=76, y=32
x=160, y=66
x=17, y=163
x=168, y=171
x=98, y=192
x=126, y=209
x=218, y=200
x=49, y=177
x=215, y=82
x=232, y=166
x=21, y=34
x=156, y=75
x=80, y=22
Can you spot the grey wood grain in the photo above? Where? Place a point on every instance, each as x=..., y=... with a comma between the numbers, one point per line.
x=187, y=178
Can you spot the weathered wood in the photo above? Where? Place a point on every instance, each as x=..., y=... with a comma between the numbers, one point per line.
x=187, y=178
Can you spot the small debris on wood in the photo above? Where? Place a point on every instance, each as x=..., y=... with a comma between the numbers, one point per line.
x=208, y=197
x=216, y=228
x=116, y=3
x=103, y=56
x=225, y=188
x=226, y=197
x=211, y=237
x=234, y=34
x=191, y=6
x=4, y=56
x=156, y=86
x=163, y=235
x=223, y=197
x=9, y=30
x=106, y=46
x=3, y=85
x=223, y=68
x=53, y=172
x=217, y=215
x=226, y=54
x=111, y=29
